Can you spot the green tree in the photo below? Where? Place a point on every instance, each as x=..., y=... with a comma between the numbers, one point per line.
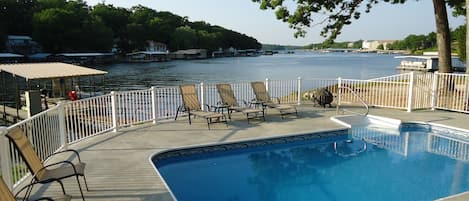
x=343, y=12
x=166, y=24
x=46, y=4
x=209, y=41
x=117, y=20
x=148, y=24
x=15, y=18
x=72, y=26
x=184, y=38
x=460, y=37
x=68, y=26
x=357, y=44
x=139, y=28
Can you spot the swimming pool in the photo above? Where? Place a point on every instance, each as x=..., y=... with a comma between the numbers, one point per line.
x=416, y=162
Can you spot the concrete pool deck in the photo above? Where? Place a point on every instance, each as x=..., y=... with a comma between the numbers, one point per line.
x=118, y=167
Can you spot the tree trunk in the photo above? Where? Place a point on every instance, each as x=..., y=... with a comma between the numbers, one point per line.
x=443, y=37
x=467, y=38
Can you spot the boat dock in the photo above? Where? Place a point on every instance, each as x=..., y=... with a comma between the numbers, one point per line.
x=11, y=115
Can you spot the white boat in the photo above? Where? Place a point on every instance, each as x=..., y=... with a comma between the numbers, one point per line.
x=426, y=63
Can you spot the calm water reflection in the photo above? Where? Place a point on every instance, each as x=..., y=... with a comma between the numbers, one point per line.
x=280, y=66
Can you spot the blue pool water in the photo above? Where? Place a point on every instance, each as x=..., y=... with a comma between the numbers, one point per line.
x=415, y=163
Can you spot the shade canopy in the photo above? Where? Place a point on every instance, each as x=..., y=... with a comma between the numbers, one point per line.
x=32, y=71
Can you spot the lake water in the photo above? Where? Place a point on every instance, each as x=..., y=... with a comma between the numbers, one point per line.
x=129, y=76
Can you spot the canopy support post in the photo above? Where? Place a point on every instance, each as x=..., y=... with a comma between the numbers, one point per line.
x=17, y=99
x=4, y=96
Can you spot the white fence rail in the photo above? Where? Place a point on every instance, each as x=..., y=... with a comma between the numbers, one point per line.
x=134, y=107
x=71, y=122
x=167, y=100
x=451, y=92
x=44, y=130
x=422, y=91
x=88, y=117
x=387, y=92
x=308, y=87
x=286, y=91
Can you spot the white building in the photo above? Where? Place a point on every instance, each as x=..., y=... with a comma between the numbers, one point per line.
x=374, y=44
x=21, y=44
x=156, y=47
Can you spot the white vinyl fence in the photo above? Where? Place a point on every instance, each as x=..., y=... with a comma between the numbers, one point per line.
x=71, y=122
x=451, y=92
x=388, y=92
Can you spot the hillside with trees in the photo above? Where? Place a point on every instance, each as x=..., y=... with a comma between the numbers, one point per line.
x=416, y=44
x=74, y=26
x=341, y=13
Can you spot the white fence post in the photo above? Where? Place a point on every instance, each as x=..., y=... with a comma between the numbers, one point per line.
x=114, y=111
x=434, y=89
x=339, y=93
x=5, y=157
x=62, y=126
x=299, y=90
x=154, y=106
x=411, y=92
x=267, y=84
x=202, y=97
x=466, y=99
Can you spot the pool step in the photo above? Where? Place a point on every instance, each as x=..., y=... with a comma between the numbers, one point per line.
x=458, y=197
x=360, y=121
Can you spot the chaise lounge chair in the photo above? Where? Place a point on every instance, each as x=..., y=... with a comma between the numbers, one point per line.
x=263, y=97
x=47, y=173
x=191, y=105
x=228, y=99
x=7, y=195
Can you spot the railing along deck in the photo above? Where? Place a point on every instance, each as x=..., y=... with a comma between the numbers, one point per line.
x=71, y=122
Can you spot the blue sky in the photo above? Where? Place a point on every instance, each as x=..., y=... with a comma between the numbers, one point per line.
x=384, y=22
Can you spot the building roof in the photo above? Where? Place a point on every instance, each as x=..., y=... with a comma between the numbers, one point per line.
x=147, y=52
x=10, y=55
x=39, y=55
x=18, y=37
x=416, y=57
x=190, y=51
x=31, y=71
x=86, y=54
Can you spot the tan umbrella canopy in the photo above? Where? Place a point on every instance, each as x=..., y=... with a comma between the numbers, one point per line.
x=32, y=71
x=38, y=71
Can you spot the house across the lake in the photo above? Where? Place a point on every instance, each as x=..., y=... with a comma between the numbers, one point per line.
x=154, y=51
x=21, y=45
x=11, y=58
x=85, y=58
x=374, y=44
x=189, y=54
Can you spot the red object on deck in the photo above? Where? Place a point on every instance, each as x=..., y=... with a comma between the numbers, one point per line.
x=72, y=95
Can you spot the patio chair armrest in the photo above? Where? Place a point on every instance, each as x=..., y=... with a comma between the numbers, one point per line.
x=64, y=151
x=59, y=163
